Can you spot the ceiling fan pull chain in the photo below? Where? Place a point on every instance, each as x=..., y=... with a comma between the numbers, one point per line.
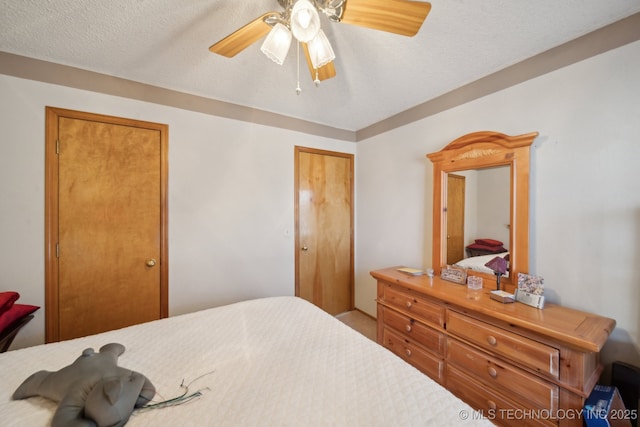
x=298, y=89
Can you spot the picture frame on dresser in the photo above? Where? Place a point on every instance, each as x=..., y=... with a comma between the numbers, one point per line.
x=455, y=275
x=530, y=290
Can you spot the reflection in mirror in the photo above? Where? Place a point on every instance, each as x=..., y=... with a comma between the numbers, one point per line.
x=488, y=172
x=478, y=216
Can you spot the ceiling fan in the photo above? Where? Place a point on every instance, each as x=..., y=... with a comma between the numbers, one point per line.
x=300, y=19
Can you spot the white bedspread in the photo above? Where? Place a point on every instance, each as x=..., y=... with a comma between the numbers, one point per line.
x=274, y=361
x=477, y=263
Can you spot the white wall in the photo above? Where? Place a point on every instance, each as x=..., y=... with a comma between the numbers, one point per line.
x=231, y=210
x=585, y=223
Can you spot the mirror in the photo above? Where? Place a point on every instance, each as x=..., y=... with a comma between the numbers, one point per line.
x=477, y=209
x=494, y=171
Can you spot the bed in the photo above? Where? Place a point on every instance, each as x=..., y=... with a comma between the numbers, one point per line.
x=272, y=361
x=477, y=263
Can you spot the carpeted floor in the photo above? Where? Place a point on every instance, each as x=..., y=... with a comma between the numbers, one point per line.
x=359, y=321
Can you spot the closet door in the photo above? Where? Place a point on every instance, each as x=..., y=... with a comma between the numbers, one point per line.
x=324, y=229
x=106, y=217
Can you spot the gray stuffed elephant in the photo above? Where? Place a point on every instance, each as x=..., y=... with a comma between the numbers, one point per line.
x=92, y=391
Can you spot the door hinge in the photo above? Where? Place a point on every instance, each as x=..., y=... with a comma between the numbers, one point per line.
x=57, y=146
x=57, y=250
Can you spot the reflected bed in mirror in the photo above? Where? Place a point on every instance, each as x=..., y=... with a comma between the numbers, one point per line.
x=477, y=264
x=481, y=203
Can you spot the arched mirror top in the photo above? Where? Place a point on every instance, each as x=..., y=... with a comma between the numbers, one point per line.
x=470, y=155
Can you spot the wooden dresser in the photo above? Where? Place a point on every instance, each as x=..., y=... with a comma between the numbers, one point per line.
x=516, y=364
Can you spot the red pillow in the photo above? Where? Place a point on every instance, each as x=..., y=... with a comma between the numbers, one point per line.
x=18, y=311
x=7, y=299
x=489, y=242
x=492, y=249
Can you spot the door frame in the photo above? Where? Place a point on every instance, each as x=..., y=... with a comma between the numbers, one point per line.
x=51, y=206
x=296, y=173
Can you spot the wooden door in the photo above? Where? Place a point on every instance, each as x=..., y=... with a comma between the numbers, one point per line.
x=106, y=221
x=455, y=218
x=324, y=228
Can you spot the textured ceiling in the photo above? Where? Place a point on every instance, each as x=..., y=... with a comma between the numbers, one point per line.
x=165, y=43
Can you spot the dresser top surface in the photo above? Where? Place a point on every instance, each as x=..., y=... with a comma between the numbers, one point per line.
x=580, y=329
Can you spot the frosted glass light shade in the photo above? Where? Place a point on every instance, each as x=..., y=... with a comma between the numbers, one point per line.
x=305, y=22
x=320, y=50
x=276, y=45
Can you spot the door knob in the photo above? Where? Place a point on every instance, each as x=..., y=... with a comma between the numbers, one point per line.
x=151, y=262
x=304, y=248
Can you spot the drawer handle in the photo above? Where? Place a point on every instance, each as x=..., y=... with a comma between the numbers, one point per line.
x=407, y=328
x=492, y=340
x=493, y=373
x=407, y=352
x=492, y=405
x=409, y=304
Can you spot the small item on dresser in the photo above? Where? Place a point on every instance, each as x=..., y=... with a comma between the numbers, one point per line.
x=502, y=296
x=455, y=275
x=530, y=290
x=430, y=272
x=499, y=267
x=474, y=287
x=411, y=271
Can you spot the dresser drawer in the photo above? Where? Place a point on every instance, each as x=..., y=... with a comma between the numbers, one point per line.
x=521, y=350
x=417, y=307
x=499, y=375
x=411, y=329
x=413, y=354
x=493, y=405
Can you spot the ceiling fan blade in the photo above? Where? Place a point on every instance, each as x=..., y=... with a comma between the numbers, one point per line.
x=242, y=38
x=402, y=17
x=325, y=72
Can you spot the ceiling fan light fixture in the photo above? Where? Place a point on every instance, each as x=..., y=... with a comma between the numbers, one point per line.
x=320, y=50
x=276, y=44
x=305, y=21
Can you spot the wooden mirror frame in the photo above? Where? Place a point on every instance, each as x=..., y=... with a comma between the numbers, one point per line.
x=480, y=150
